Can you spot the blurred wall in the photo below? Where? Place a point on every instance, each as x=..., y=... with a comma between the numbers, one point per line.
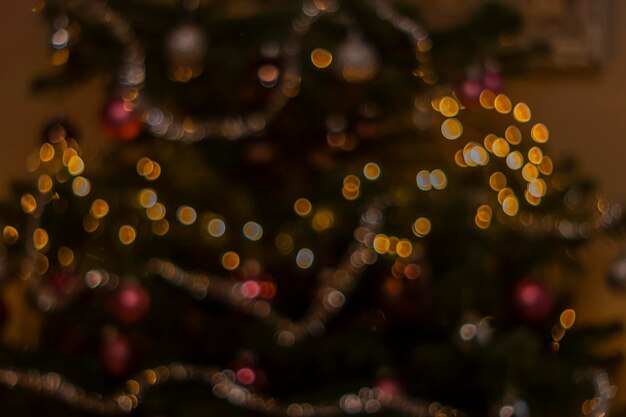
x=586, y=115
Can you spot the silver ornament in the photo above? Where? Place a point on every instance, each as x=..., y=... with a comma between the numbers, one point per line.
x=357, y=60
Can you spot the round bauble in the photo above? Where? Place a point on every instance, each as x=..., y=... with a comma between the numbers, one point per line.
x=533, y=300
x=120, y=120
x=131, y=302
x=356, y=60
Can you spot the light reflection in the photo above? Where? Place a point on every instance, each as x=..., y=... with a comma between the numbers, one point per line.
x=186, y=215
x=216, y=227
x=305, y=258
x=421, y=227
x=253, y=231
x=127, y=234
x=451, y=129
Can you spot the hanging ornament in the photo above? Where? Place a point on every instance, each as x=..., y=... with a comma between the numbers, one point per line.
x=131, y=302
x=186, y=48
x=357, y=61
x=120, y=120
x=616, y=274
x=116, y=353
x=533, y=300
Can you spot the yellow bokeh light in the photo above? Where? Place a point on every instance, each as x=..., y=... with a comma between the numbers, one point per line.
x=144, y=166
x=65, y=255
x=10, y=235
x=404, y=248
x=477, y=155
x=448, y=106
x=459, y=159
x=99, y=208
x=42, y=263
x=438, y=179
x=501, y=148
x=567, y=319
x=68, y=154
x=46, y=152
x=515, y=160
x=156, y=212
x=535, y=155
x=521, y=112
x=484, y=213
x=216, y=227
x=90, y=224
x=531, y=199
x=284, y=243
x=230, y=260
x=530, y=172
x=186, y=215
x=127, y=234
x=253, y=231
x=351, y=182
x=503, y=194
x=487, y=99
x=540, y=133
x=161, y=227
x=513, y=135
x=28, y=203
x=423, y=180
x=489, y=140
x=421, y=227
x=81, y=186
x=75, y=165
x=322, y=220
x=44, y=183
x=40, y=238
x=350, y=194
x=155, y=173
x=371, y=171
x=302, y=207
x=435, y=103
x=546, y=167
x=537, y=188
x=451, y=129
x=497, y=181
x=503, y=104
x=381, y=243
x=147, y=197
x=510, y=205
x=321, y=58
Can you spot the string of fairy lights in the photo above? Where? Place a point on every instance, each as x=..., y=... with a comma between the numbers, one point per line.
x=224, y=386
x=164, y=123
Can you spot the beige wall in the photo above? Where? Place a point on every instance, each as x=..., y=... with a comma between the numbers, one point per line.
x=586, y=115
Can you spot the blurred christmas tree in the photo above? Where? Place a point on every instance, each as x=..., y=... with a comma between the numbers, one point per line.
x=301, y=200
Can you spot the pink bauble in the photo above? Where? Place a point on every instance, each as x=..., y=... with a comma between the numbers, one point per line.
x=131, y=302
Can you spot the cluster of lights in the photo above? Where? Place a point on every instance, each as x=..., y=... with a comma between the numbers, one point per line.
x=225, y=384
x=478, y=154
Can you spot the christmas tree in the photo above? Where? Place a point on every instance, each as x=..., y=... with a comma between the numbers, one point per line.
x=313, y=208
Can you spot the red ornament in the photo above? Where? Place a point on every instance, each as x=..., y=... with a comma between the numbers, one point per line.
x=120, y=120
x=116, y=353
x=248, y=373
x=131, y=302
x=533, y=300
